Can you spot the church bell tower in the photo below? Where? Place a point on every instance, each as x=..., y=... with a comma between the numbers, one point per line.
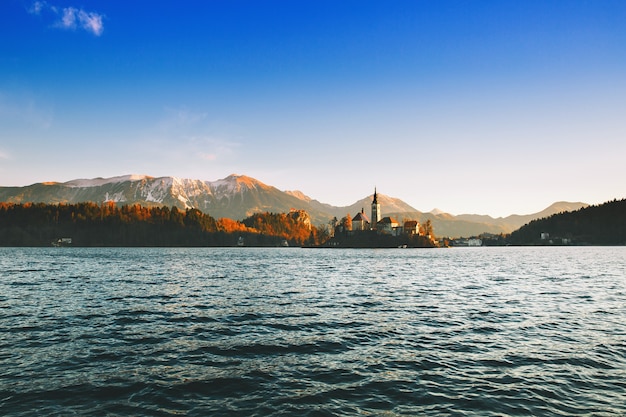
x=375, y=210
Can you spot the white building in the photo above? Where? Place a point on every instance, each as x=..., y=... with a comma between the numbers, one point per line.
x=360, y=221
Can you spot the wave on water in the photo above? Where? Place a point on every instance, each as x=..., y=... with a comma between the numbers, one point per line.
x=263, y=332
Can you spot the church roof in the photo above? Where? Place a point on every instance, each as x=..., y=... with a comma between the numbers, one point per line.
x=388, y=220
x=360, y=216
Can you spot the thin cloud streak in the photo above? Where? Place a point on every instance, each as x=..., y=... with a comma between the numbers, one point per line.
x=89, y=21
x=26, y=111
x=71, y=18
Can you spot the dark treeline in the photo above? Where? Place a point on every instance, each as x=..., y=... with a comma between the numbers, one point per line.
x=371, y=239
x=604, y=224
x=90, y=224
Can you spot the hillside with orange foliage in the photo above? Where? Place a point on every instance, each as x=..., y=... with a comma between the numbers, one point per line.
x=90, y=224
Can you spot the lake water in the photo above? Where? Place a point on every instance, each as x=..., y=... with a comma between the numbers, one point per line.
x=306, y=332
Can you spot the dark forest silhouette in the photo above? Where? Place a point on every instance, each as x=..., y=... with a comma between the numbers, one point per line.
x=603, y=224
x=90, y=224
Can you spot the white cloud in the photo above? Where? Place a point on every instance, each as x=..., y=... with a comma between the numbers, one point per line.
x=179, y=120
x=24, y=110
x=211, y=149
x=91, y=22
x=202, y=136
x=3, y=155
x=208, y=156
x=71, y=17
x=68, y=21
x=37, y=7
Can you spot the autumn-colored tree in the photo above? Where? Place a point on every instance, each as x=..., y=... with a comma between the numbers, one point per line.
x=428, y=228
x=346, y=222
x=227, y=225
x=106, y=224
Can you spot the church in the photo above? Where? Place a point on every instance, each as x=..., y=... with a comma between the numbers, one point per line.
x=382, y=225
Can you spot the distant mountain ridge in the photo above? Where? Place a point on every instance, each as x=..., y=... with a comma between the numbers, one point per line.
x=240, y=196
x=236, y=196
x=466, y=225
x=557, y=207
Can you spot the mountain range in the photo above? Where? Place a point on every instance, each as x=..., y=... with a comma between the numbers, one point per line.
x=239, y=196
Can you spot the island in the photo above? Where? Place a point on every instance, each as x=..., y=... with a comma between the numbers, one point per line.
x=379, y=232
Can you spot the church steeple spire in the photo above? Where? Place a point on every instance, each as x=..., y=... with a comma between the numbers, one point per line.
x=376, y=216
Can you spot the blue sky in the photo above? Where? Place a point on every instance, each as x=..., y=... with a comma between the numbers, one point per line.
x=489, y=107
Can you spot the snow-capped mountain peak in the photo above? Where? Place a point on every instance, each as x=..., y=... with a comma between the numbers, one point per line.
x=299, y=195
x=235, y=184
x=239, y=196
x=98, y=182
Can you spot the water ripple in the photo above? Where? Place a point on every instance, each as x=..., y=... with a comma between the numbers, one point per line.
x=150, y=332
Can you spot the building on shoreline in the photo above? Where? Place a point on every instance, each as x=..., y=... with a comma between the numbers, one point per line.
x=381, y=225
x=360, y=222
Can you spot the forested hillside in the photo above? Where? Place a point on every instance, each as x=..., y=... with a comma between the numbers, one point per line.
x=604, y=224
x=90, y=224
